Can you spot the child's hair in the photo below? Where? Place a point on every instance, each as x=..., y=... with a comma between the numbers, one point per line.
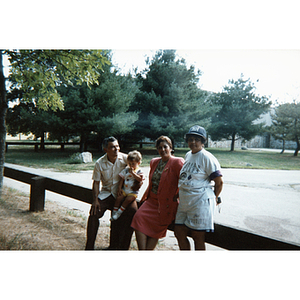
x=134, y=156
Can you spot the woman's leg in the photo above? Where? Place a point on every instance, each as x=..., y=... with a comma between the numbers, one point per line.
x=141, y=239
x=181, y=232
x=145, y=242
x=199, y=239
x=151, y=243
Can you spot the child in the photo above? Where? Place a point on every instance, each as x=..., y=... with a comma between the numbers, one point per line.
x=129, y=185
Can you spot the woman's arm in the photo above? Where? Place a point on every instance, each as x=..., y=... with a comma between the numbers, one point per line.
x=145, y=196
x=218, y=186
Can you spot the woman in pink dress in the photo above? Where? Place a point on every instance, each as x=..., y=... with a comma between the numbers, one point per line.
x=160, y=200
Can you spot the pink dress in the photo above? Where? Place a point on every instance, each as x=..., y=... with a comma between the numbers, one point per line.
x=159, y=210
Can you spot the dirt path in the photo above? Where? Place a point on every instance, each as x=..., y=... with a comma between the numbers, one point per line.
x=56, y=228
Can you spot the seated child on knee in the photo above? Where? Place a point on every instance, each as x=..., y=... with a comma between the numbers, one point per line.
x=129, y=185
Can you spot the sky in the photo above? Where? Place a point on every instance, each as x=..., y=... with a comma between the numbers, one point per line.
x=275, y=73
x=223, y=39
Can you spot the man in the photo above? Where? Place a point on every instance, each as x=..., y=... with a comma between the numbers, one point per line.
x=106, y=171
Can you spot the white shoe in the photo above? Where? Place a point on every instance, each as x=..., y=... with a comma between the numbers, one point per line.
x=115, y=215
x=112, y=215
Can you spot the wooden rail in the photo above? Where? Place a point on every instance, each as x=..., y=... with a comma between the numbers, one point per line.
x=125, y=143
x=38, y=144
x=225, y=237
x=40, y=184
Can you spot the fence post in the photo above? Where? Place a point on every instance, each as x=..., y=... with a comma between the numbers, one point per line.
x=37, y=193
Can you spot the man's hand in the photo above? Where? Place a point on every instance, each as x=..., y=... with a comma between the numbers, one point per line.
x=96, y=204
x=95, y=207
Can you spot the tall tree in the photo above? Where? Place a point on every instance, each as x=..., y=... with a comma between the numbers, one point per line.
x=38, y=73
x=90, y=113
x=99, y=111
x=238, y=108
x=286, y=123
x=169, y=100
x=27, y=118
x=280, y=125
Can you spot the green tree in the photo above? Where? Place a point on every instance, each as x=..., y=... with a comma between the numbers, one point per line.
x=280, y=125
x=96, y=112
x=238, y=108
x=90, y=113
x=38, y=73
x=27, y=118
x=169, y=100
x=286, y=123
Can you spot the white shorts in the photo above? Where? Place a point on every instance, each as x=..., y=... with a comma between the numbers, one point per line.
x=197, y=215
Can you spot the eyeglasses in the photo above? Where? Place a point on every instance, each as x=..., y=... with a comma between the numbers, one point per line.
x=191, y=140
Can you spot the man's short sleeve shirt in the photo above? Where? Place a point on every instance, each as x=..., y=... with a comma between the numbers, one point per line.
x=108, y=174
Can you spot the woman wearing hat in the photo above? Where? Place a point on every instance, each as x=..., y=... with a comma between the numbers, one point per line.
x=197, y=196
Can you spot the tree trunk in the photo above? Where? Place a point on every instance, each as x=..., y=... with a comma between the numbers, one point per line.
x=42, y=145
x=3, y=110
x=82, y=143
x=298, y=147
x=283, y=146
x=232, y=142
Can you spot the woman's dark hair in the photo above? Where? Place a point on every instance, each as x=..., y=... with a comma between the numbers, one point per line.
x=166, y=139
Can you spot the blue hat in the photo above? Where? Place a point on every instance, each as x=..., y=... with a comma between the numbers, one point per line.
x=196, y=130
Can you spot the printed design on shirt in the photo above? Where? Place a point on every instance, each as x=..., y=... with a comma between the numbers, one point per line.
x=188, y=170
x=130, y=181
x=183, y=176
x=191, y=167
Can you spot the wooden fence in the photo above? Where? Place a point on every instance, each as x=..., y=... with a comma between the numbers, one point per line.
x=225, y=237
x=38, y=145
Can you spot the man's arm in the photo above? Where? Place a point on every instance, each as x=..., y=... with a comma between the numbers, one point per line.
x=95, y=204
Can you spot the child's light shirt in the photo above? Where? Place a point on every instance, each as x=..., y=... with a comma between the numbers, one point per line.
x=129, y=180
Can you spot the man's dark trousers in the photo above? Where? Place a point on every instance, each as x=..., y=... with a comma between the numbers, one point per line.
x=120, y=230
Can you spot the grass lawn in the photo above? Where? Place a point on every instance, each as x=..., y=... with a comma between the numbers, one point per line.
x=257, y=159
x=54, y=158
